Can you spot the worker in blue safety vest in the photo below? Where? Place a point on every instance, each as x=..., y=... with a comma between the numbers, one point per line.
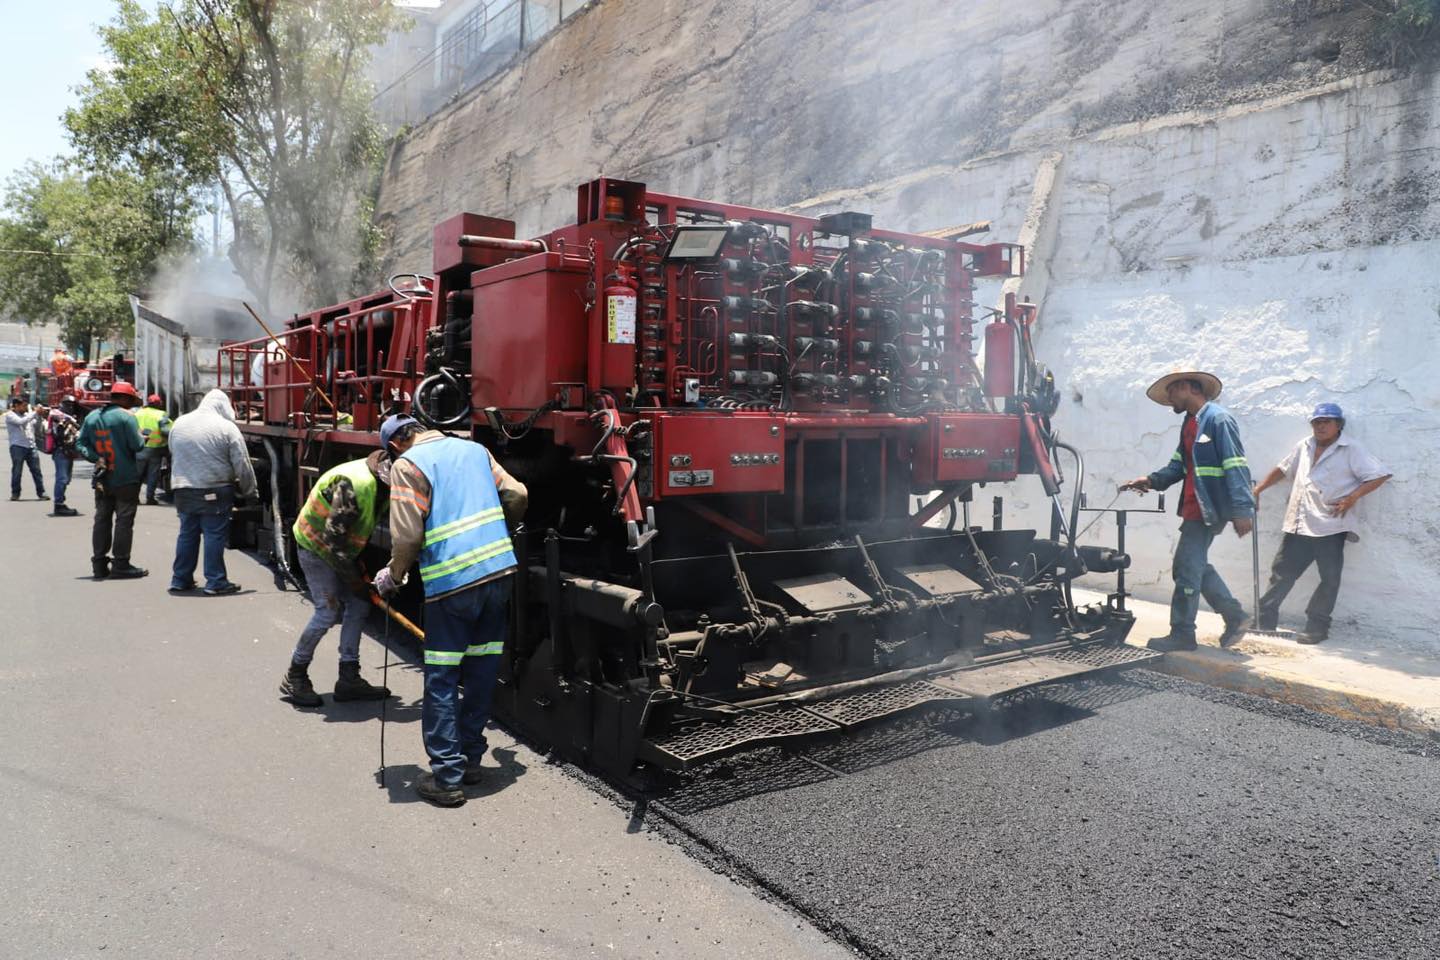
x=444, y=514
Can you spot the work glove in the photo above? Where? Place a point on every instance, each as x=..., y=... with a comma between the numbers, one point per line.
x=385, y=583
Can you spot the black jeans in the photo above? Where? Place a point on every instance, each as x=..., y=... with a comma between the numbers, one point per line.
x=1296, y=554
x=117, y=504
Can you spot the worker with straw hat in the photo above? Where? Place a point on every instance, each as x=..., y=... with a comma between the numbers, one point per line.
x=1210, y=461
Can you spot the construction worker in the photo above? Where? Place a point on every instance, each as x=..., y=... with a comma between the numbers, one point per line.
x=1331, y=474
x=449, y=504
x=155, y=428
x=1210, y=461
x=110, y=439
x=332, y=529
x=209, y=467
x=19, y=424
x=64, y=430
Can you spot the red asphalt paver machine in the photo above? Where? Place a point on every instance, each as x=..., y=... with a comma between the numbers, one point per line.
x=751, y=441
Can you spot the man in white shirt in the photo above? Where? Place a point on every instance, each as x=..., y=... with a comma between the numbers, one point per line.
x=19, y=425
x=1331, y=474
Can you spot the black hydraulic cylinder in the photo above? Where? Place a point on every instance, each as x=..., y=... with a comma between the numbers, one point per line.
x=609, y=603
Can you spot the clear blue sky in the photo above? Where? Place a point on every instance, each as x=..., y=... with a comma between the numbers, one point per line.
x=45, y=48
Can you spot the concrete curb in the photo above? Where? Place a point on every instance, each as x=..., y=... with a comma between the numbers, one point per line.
x=1230, y=671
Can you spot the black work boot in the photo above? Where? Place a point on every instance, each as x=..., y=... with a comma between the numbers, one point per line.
x=297, y=688
x=351, y=686
x=441, y=796
x=100, y=567
x=127, y=571
x=1170, y=643
x=1235, y=628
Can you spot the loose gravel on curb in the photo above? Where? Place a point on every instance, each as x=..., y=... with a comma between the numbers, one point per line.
x=1144, y=816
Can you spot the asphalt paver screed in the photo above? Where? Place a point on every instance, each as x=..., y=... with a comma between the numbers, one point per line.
x=1141, y=817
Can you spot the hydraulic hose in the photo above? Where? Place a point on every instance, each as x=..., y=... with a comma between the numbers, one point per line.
x=1073, y=533
x=1075, y=498
x=277, y=527
x=422, y=405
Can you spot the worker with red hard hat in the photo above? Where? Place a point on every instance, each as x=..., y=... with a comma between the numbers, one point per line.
x=1331, y=473
x=110, y=439
x=155, y=428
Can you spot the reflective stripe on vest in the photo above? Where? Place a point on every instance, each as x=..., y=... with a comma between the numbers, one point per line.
x=453, y=658
x=150, y=421
x=465, y=536
x=309, y=527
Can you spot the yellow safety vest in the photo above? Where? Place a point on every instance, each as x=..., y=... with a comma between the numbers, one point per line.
x=311, y=523
x=154, y=425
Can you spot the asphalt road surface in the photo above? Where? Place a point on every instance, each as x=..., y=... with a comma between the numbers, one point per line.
x=1145, y=817
x=160, y=801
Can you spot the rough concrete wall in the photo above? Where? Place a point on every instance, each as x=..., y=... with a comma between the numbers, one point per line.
x=769, y=103
x=1234, y=193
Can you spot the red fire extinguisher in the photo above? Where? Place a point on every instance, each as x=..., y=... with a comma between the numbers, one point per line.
x=620, y=305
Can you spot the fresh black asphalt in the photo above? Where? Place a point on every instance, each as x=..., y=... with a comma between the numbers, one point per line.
x=1139, y=817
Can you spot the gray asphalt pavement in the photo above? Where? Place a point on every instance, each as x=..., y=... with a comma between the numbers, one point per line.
x=1146, y=817
x=160, y=801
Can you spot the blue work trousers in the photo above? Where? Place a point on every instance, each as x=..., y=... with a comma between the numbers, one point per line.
x=20, y=458
x=464, y=636
x=1194, y=578
x=63, y=468
x=204, y=514
x=336, y=601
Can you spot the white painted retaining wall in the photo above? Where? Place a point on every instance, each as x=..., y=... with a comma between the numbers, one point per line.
x=1291, y=248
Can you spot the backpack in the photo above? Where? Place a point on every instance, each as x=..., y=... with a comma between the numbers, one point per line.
x=62, y=435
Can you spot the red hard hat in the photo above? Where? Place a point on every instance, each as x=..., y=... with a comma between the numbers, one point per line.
x=122, y=388
x=153, y=398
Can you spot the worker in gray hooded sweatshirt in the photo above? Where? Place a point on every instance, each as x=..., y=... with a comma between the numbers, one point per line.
x=209, y=467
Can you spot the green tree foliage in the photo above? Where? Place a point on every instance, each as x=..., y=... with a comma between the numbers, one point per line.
x=268, y=97
x=1405, y=27
x=76, y=245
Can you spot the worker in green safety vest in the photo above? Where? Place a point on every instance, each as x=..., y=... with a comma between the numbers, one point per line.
x=154, y=425
x=331, y=531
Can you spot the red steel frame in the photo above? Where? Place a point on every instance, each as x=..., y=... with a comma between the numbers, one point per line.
x=546, y=299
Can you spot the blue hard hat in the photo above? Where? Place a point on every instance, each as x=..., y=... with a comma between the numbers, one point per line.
x=1329, y=411
x=392, y=426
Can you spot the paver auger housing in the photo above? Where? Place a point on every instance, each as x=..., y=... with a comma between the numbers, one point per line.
x=752, y=440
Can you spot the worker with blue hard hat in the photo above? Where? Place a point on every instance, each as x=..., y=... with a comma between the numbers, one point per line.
x=451, y=509
x=392, y=427
x=1331, y=472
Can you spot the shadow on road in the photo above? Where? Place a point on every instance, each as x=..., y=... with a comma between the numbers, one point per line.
x=399, y=779
x=367, y=711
